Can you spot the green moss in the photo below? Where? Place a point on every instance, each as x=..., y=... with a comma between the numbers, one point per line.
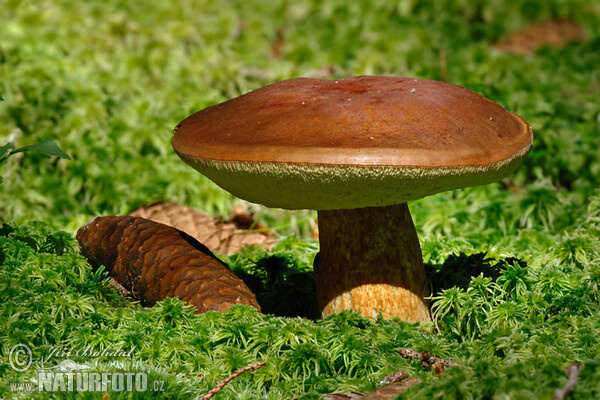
x=517, y=330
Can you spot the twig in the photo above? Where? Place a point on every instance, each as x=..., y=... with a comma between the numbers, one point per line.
x=427, y=360
x=231, y=377
x=394, y=377
x=573, y=374
x=120, y=288
x=343, y=396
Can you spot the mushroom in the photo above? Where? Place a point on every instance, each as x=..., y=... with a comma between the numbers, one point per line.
x=356, y=150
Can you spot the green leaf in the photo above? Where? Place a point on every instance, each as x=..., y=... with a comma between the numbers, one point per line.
x=48, y=147
x=5, y=151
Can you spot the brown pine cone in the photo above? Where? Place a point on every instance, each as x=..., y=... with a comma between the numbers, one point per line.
x=155, y=261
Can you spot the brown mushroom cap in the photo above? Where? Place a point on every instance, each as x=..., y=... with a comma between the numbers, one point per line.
x=352, y=143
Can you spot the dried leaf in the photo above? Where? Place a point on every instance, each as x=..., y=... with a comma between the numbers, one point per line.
x=278, y=44
x=243, y=220
x=401, y=383
x=391, y=391
x=155, y=261
x=556, y=33
x=220, y=237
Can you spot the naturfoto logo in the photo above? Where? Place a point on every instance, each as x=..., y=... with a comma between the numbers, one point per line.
x=68, y=376
x=72, y=376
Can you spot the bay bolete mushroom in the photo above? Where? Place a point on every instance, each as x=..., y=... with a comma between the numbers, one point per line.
x=356, y=150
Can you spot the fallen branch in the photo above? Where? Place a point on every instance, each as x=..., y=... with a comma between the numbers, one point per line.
x=572, y=374
x=427, y=360
x=231, y=377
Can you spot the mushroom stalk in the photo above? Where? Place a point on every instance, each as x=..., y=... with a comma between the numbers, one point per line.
x=370, y=261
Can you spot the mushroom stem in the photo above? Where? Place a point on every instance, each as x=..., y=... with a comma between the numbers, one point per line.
x=370, y=261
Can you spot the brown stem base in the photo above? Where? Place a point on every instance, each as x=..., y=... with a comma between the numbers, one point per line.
x=370, y=261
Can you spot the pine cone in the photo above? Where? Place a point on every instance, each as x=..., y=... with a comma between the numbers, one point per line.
x=155, y=261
